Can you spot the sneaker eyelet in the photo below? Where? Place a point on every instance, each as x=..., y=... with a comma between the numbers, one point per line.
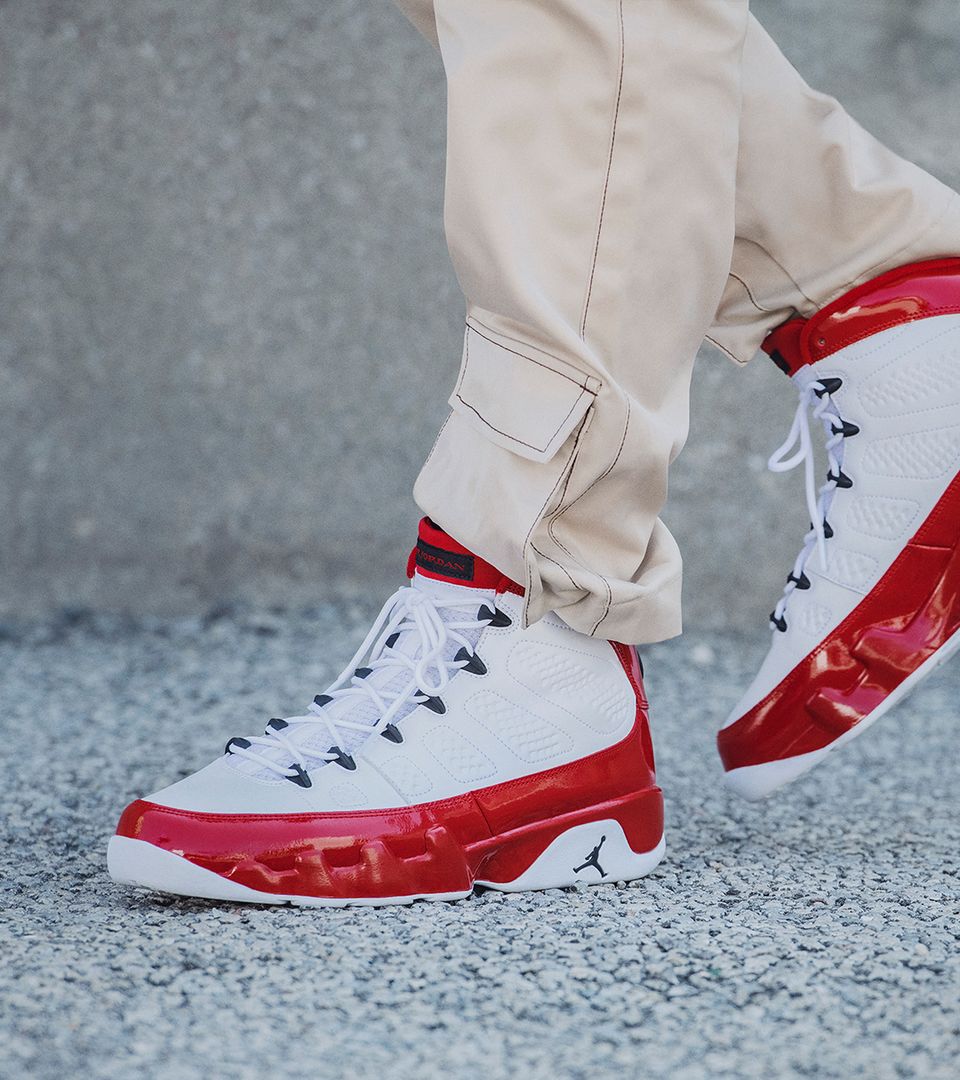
x=473, y=662
x=302, y=779
x=343, y=759
x=434, y=704
x=841, y=479
x=847, y=430
x=828, y=386
x=494, y=617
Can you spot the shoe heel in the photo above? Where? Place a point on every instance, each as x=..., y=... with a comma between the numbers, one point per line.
x=600, y=847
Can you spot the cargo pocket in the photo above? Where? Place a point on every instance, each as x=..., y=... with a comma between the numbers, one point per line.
x=503, y=462
x=519, y=397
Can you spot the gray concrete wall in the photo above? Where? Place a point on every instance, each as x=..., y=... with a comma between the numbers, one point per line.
x=228, y=325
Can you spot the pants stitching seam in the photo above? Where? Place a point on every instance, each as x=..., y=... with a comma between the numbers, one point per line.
x=632, y=599
x=779, y=265
x=514, y=438
x=749, y=292
x=559, y=565
x=606, y=179
x=733, y=356
x=552, y=533
x=536, y=521
x=523, y=356
x=593, y=483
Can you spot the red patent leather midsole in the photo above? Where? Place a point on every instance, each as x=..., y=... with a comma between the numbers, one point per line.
x=911, y=613
x=390, y=853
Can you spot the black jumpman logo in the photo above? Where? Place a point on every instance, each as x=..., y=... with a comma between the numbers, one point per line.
x=593, y=859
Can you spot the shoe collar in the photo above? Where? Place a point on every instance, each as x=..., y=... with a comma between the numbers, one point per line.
x=437, y=557
x=911, y=292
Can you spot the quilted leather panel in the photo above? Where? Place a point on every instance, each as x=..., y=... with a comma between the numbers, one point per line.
x=927, y=379
x=563, y=678
x=458, y=756
x=407, y=777
x=921, y=455
x=881, y=517
x=530, y=737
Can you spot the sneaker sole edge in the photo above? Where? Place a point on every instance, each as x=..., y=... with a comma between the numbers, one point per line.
x=144, y=865
x=141, y=864
x=757, y=782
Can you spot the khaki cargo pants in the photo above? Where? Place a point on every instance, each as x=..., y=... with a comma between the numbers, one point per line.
x=625, y=178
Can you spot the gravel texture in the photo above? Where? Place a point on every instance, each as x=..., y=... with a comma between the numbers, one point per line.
x=814, y=936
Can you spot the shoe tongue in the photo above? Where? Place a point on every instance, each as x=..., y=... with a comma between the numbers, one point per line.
x=783, y=346
x=467, y=595
x=360, y=709
x=437, y=557
x=445, y=571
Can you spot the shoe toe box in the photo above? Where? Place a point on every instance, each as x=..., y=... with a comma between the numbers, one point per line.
x=222, y=788
x=209, y=810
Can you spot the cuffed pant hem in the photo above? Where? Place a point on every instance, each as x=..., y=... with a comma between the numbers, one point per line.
x=507, y=509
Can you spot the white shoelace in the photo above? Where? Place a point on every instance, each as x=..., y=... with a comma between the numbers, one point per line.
x=818, y=395
x=427, y=666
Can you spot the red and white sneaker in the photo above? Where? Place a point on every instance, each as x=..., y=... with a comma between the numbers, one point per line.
x=456, y=749
x=872, y=605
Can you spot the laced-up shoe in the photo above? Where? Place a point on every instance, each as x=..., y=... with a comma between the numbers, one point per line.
x=872, y=604
x=455, y=749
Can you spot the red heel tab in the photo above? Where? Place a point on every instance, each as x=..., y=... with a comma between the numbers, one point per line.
x=632, y=665
x=438, y=556
x=915, y=291
x=783, y=346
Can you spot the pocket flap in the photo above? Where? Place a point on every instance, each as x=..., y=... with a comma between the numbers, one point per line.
x=520, y=397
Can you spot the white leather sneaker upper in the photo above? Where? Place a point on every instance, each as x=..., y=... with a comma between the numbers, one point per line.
x=537, y=698
x=901, y=388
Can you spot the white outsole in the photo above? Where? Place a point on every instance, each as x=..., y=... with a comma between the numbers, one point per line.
x=756, y=782
x=556, y=867
x=141, y=864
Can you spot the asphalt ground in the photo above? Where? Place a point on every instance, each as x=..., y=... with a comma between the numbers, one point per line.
x=816, y=935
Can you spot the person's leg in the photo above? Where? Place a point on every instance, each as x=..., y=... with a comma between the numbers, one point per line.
x=591, y=170
x=476, y=737
x=821, y=205
x=836, y=234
